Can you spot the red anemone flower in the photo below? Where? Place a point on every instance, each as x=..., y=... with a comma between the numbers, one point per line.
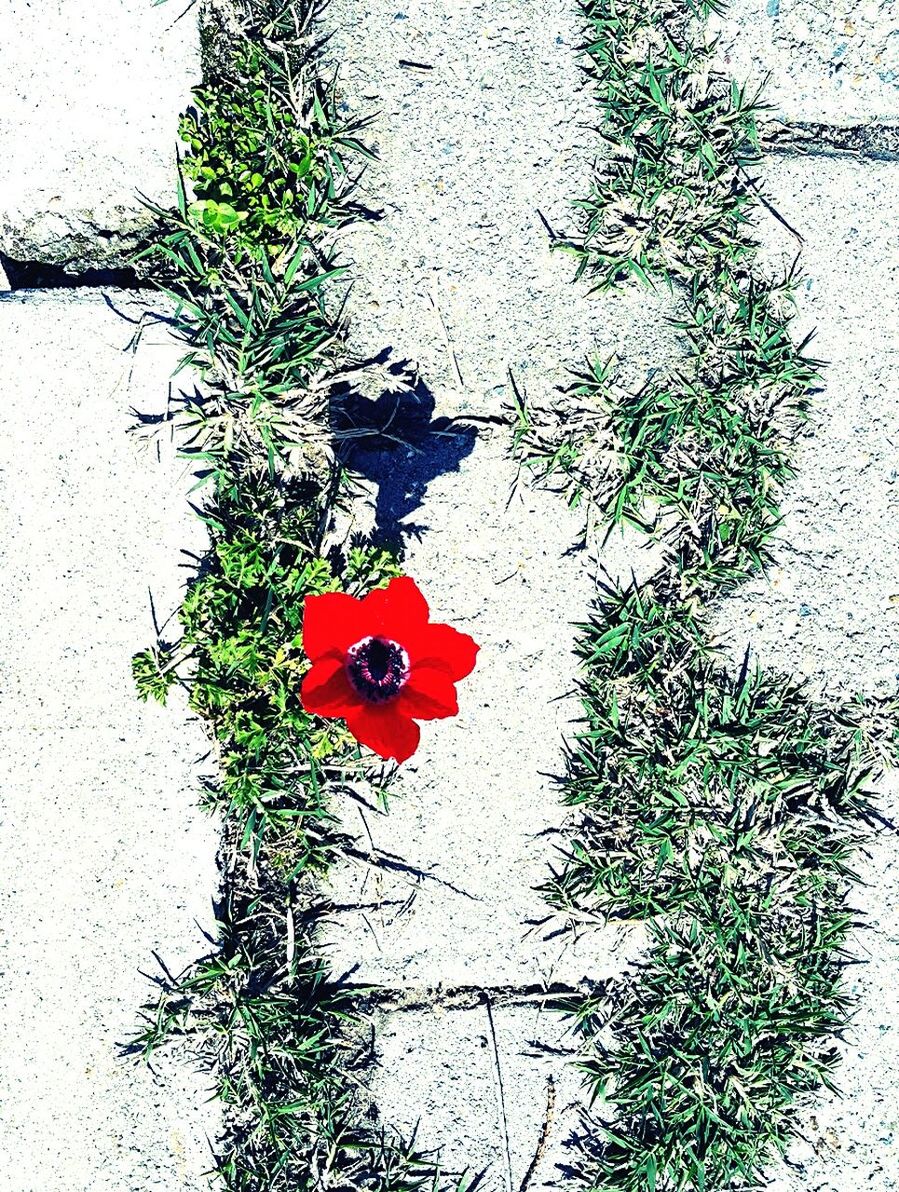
x=381, y=665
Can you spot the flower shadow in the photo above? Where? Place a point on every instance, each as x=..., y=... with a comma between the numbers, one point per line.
x=394, y=441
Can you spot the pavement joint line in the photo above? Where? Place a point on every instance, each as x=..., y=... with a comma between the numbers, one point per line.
x=871, y=142
x=470, y=997
x=502, y=1117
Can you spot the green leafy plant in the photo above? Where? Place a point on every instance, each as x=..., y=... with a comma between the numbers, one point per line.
x=240, y=654
x=266, y=154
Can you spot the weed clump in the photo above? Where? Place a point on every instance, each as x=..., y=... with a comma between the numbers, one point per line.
x=245, y=259
x=722, y=809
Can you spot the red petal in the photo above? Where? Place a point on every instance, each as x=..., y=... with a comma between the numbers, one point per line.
x=429, y=694
x=326, y=690
x=396, y=609
x=331, y=623
x=385, y=730
x=446, y=648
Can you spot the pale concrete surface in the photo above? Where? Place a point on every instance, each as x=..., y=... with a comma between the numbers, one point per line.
x=106, y=857
x=829, y=610
x=471, y=154
x=494, y=1091
x=478, y=820
x=92, y=91
x=820, y=61
x=499, y=132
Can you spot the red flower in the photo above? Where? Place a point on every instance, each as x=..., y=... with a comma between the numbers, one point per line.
x=381, y=665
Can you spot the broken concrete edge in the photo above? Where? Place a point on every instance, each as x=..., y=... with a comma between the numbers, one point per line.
x=70, y=262
x=552, y=994
x=88, y=160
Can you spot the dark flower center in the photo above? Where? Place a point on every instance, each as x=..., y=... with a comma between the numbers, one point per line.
x=378, y=668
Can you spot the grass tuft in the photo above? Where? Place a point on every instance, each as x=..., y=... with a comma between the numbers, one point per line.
x=246, y=258
x=722, y=808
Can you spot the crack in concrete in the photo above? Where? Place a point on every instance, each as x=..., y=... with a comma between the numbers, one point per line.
x=473, y=997
x=46, y=275
x=877, y=142
x=81, y=244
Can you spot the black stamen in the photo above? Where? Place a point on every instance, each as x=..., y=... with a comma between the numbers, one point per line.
x=378, y=668
x=379, y=659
